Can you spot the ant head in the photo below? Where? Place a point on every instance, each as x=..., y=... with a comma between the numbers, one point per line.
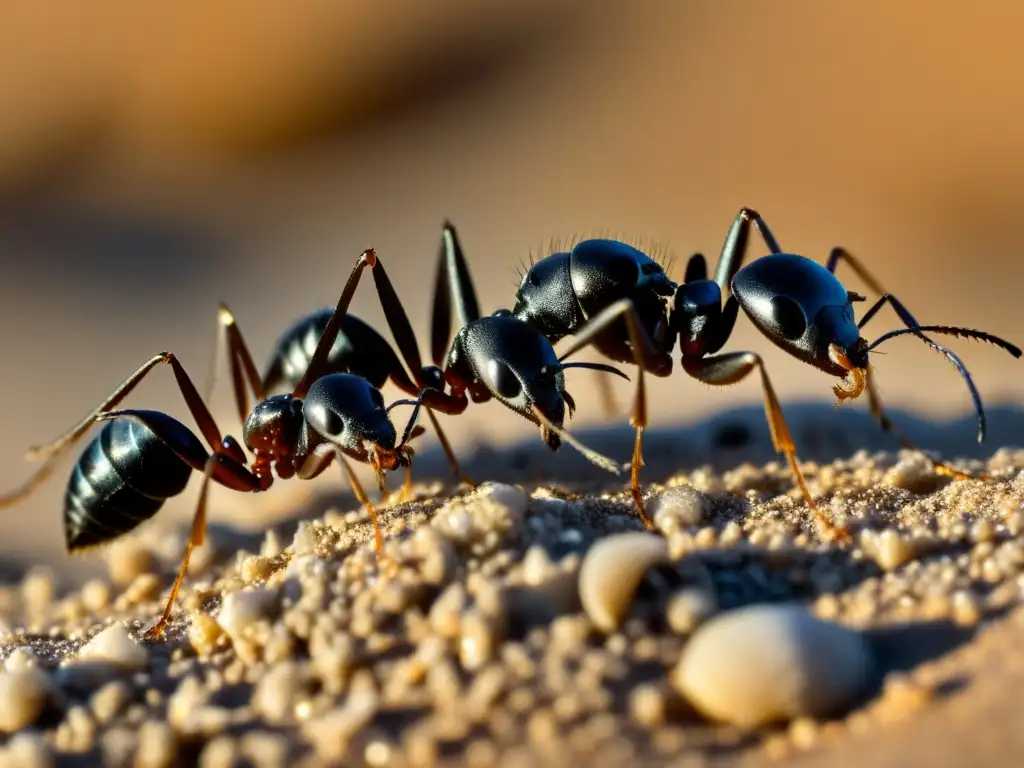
x=349, y=412
x=517, y=365
x=804, y=309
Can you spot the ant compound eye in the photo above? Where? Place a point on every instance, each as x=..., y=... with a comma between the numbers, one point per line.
x=333, y=424
x=623, y=271
x=533, y=278
x=503, y=380
x=789, y=317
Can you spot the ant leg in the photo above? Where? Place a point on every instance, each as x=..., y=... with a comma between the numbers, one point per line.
x=647, y=357
x=243, y=369
x=878, y=411
x=51, y=452
x=313, y=464
x=696, y=268
x=412, y=431
x=357, y=489
x=196, y=537
x=732, y=367
x=318, y=362
x=453, y=462
x=734, y=250
x=452, y=283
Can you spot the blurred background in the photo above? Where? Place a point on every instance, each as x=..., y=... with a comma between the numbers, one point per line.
x=156, y=159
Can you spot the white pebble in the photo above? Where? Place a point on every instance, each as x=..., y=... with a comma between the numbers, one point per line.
x=114, y=646
x=689, y=608
x=23, y=697
x=892, y=550
x=611, y=571
x=767, y=663
x=21, y=658
x=28, y=750
x=678, y=507
x=243, y=609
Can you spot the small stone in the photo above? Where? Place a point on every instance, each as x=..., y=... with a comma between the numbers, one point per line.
x=914, y=473
x=158, y=746
x=678, y=507
x=118, y=745
x=265, y=750
x=23, y=697
x=647, y=705
x=438, y=560
x=893, y=550
x=95, y=595
x=478, y=641
x=277, y=691
x=304, y=541
x=114, y=646
x=242, y=609
x=256, y=569
x=689, y=608
x=220, y=752
x=331, y=732
x=537, y=566
x=272, y=546
x=204, y=633
x=766, y=663
x=983, y=531
x=446, y=613
x=966, y=608
x=611, y=571
x=37, y=589
x=28, y=750
x=109, y=700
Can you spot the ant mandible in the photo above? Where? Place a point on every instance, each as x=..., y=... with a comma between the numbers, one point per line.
x=609, y=294
x=141, y=458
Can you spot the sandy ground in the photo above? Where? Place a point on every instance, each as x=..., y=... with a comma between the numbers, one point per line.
x=468, y=644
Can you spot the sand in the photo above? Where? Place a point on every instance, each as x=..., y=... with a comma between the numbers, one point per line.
x=468, y=643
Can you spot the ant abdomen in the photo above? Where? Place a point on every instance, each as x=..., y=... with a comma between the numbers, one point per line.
x=358, y=350
x=122, y=479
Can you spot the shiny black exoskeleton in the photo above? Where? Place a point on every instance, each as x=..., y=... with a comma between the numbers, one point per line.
x=359, y=350
x=141, y=458
x=98, y=486
x=609, y=295
x=561, y=292
x=488, y=357
x=498, y=356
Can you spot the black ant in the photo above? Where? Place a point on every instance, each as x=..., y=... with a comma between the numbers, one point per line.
x=141, y=458
x=611, y=295
x=490, y=357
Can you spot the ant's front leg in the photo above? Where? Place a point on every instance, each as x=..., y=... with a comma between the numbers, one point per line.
x=647, y=357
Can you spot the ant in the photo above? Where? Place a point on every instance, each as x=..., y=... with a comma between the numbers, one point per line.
x=609, y=294
x=359, y=350
x=141, y=458
x=490, y=357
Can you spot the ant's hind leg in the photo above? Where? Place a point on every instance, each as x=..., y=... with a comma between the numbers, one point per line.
x=52, y=451
x=217, y=467
x=732, y=367
x=646, y=356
